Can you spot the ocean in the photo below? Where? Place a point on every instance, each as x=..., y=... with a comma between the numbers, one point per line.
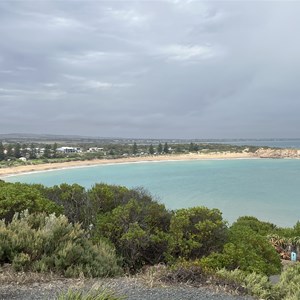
x=268, y=189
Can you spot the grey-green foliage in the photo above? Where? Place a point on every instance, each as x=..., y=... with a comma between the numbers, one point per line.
x=255, y=284
x=48, y=243
x=96, y=294
x=288, y=287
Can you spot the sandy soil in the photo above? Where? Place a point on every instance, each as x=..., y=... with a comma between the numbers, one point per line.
x=53, y=166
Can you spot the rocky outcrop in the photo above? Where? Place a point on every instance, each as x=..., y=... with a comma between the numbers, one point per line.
x=277, y=153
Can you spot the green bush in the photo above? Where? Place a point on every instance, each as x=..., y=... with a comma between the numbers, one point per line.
x=16, y=197
x=246, y=250
x=105, y=197
x=74, y=200
x=260, y=227
x=138, y=230
x=48, y=243
x=195, y=232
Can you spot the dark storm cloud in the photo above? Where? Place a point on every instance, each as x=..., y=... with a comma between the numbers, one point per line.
x=150, y=68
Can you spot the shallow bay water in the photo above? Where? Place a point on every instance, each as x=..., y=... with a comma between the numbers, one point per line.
x=268, y=189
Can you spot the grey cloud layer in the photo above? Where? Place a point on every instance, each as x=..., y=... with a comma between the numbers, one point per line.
x=150, y=68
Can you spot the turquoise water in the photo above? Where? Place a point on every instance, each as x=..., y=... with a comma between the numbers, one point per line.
x=265, y=188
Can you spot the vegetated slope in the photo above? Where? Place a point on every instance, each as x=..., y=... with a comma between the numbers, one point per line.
x=108, y=227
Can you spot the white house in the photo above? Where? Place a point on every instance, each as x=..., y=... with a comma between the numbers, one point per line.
x=69, y=149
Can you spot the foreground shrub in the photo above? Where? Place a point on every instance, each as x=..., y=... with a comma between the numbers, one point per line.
x=73, y=199
x=246, y=250
x=260, y=227
x=16, y=197
x=48, y=243
x=288, y=287
x=138, y=230
x=257, y=285
x=105, y=197
x=195, y=232
x=254, y=284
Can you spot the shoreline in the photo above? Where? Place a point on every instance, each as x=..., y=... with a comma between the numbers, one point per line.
x=28, y=169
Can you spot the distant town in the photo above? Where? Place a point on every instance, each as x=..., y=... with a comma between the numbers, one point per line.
x=16, y=150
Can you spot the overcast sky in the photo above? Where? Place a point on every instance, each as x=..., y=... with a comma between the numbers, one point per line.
x=153, y=69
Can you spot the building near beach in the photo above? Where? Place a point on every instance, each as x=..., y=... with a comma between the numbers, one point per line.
x=69, y=149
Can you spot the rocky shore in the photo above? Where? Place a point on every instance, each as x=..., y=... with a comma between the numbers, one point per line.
x=278, y=153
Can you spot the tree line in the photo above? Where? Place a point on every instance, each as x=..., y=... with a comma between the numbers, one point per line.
x=32, y=151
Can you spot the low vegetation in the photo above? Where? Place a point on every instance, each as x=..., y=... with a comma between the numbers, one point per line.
x=44, y=243
x=107, y=230
x=97, y=294
x=15, y=154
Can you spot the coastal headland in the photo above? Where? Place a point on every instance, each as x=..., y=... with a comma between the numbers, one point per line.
x=261, y=153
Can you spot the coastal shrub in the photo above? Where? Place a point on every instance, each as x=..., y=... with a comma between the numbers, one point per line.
x=49, y=243
x=73, y=198
x=293, y=232
x=83, y=206
x=195, y=232
x=260, y=227
x=138, y=231
x=288, y=287
x=104, y=197
x=16, y=197
x=245, y=250
x=254, y=284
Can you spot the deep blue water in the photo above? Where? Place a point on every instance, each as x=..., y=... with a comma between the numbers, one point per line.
x=265, y=188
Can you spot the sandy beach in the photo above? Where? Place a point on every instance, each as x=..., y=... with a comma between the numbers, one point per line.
x=54, y=166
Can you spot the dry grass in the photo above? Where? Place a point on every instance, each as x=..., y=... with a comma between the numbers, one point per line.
x=162, y=276
x=152, y=276
x=8, y=275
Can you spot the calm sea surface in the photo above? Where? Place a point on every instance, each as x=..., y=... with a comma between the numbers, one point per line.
x=265, y=188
